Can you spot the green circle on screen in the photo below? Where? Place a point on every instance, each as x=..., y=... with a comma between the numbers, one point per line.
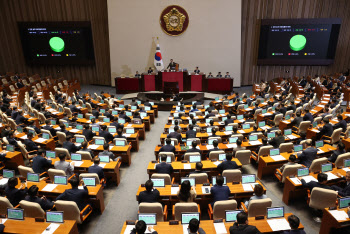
x=56, y=44
x=297, y=42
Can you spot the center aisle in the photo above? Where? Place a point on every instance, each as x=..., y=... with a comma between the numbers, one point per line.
x=123, y=205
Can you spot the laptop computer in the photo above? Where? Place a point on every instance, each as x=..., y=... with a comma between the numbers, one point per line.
x=54, y=216
x=228, y=128
x=129, y=130
x=46, y=136
x=79, y=127
x=119, y=143
x=275, y=212
x=253, y=137
x=346, y=162
x=240, y=117
x=231, y=215
x=33, y=177
x=106, y=120
x=274, y=152
x=222, y=157
x=57, y=179
x=89, y=181
x=298, y=148
x=195, y=158
x=75, y=157
x=112, y=129
x=192, y=180
x=15, y=214
x=186, y=217
x=80, y=116
x=344, y=202
x=8, y=173
x=326, y=167
x=50, y=154
x=10, y=148
x=99, y=141
x=121, y=121
x=210, y=141
x=271, y=135
x=303, y=171
x=232, y=140
x=262, y=124
x=104, y=158
x=148, y=218
x=246, y=126
x=249, y=178
x=158, y=182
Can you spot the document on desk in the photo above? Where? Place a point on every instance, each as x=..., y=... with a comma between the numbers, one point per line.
x=4, y=181
x=93, y=146
x=241, y=131
x=231, y=145
x=58, y=128
x=102, y=165
x=220, y=228
x=292, y=137
x=217, y=163
x=187, y=166
x=23, y=137
x=339, y=215
x=278, y=158
x=127, y=135
x=346, y=169
x=74, y=130
x=205, y=189
x=315, y=130
x=309, y=178
x=255, y=142
x=174, y=190
x=49, y=187
x=319, y=151
x=3, y=221
x=228, y=133
x=78, y=163
x=331, y=176
x=247, y=187
x=128, y=229
x=295, y=181
x=209, y=147
x=278, y=224
x=40, y=140
x=265, y=127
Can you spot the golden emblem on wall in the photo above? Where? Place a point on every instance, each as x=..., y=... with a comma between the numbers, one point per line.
x=174, y=20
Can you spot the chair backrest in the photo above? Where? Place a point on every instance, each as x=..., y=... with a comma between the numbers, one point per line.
x=184, y=207
x=232, y=175
x=24, y=170
x=52, y=172
x=90, y=175
x=200, y=178
x=84, y=155
x=176, y=142
x=23, y=149
x=70, y=210
x=336, y=135
x=120, y=139
x=46, y=131
x=258, y=207
x=4, y=204
x=32, y=209
x=290, y=112
x=286, y=147
x=166, y=177
x=243, y=156
x=257, y=112
x=220, y=207
x=339, y=162
x=277, y=119
x=62, y=150
x=215, y=154
x=290, y=170
x=318, y=120
x=81, y=136
x=303, y=126
x=98, y=137
x=215, y=138
x=322, y=198
x=264, y=150
x=68, y=111
x=61, y=137
x=187, y=155
x=12, y=123
x=214, y=118
x=42, y=117
x=195, y=139
x=240, y=136
x=171, y=154
x=156, y=207
x=316, y=164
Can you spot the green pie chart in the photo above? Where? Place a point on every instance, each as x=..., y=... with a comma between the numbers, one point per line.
x=297, y=42
x=56, y=44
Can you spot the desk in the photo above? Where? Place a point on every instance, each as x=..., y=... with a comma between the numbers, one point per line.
x=47, y=144
x=127, y=85
x=329, y=224
x=28, y=225
x=149, y=82
x=16, y=159
x=123, y=151
x=173, y=77
x=219, y=85
x=197, y=82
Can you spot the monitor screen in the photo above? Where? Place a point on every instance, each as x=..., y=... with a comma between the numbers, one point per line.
x=264, y=111
x=246, y=126
x=133, y=107
x=66, y=124
x=271, y=135
x=33, y=177
x=195, y=158
x=222, y=157
x=186, y=217
x=207, y=120
x=224, y=118
x=248, y=179
x=189, y=142
x=17, y=214
x=79, y=139
x=168, y=159
x=60, y=180
x=8, y=173
x=10, y=148
x=173, y=143
x=176, y=115
x=152, y=103
x=246, y=106
x=231, y=215
x=54, y=216
x=51, y=154
x=253, y=137
x=170, y=130
x=214, y=180
x=147, y=108
x=298, y=148
x=99, y=141
x=89, y=181
x=104, y=158
x=314, y=124
x=274, y=152
x=287, y=117
x=102, y=111
x=344, y=202
x=232, y=140
x=192, y=180
x=112, y=129
x=106, y=120
x=158, y=182
x=128, y=113
x=261, y=124
x=221, y=112
x=209, y=130
x=129, y=130
x=275, y=212
x=303, y=171
x=319, y=144
x=240, y=117
x=91, y=117
x=143, y=114
x=149, y=219
x=114, y=112
x=229, y=128
x=326, y=167
x=19, y=129
x=210, y=141
x=121, y=121
x=121, y=106
x=79, y=127
x=75, y=157
x=80, y=116
x=119, y=143
x=288, y=132
x=95, y=128
x=347, y=163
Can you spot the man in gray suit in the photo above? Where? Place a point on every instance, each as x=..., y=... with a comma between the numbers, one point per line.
x=67, y=167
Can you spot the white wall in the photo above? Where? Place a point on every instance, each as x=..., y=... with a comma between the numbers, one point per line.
x=212, y=40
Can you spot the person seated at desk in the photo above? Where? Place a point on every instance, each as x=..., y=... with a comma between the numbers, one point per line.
x=96, y=112
x=84, y=145
x=294, y=223
x=264, y=143
x=326, y=130
x=228, y=164
x=215, y=147
x=211, y=107
x=150, y=195
x=291, y=161
x=259, y=194
x=175, y=134
x=196, y=71
x=168, y=147
x=228, y=120
x=340, y=150
x=190, y=132
x=33, y=196
x=95, y=168
x=104, y=133
x=140, y=228
x=114, y=122
x=341, y=123
x=122, y=115
x=88, y=133
x=297, y=120
x=69, y=145
x=199, y=167
x=308, y=155
x=344, y=192
x=30, y=144
x=238, y=148
x=194, y=108
x=277, y=140
x=219, y=75
x=20, y=119
x=11, y=139
x=292, y=106
x=249, y=118
x=67, y=167
x=213, y=133
x=163, y=167
x=106, y=151
x=210, y=75
x=241, y=225
x=210, y=114
x=137, y=75
x=19, y=84
x=193, y=227
x=219, y=192
x=13, y=194
x=49, y=128
x=14, y=113
x=227, y=75
x=186, y=193
x=322, y=181
x=120, y=134
x=308, y=116
x=64, y=130
x=75, y=194
x=41, y=162
x=193, y=149
x=150, y=70
x=255, y=130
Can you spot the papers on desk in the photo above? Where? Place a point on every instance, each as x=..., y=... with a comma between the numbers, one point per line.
x=52, y=228
x=127, y=135
x=247, y=187
x=77, y=163
x=278, y=224
x=278, y=158
x=241, y=131
x=285, y=121
x=220, y=228
x=346, y=169
x=291, y=137
x=204, y=188
x=234, y=145
x=209, y=147
x=319, y=151
x=49, y=187
x=187, y=166
x=339, y=215
x=266, y=114
x=93, y=146
x=322, y=106
x=23, y=137
x=128, y=229
x=3, y=221
x=111, y=147
x=81, y=187
x=58, y=128
x=309, y=178
x=255, y=142
x=102, y=165
x=265, y=127
x=174, y=190
x=331, y=176
x=77, y=144
x=227, y=133
x=216, y=163
x=209, y=133
x=40, y=140
x=296, y=181
x=4, y=181
x=315, y=130
x=241, y=120
x=129, y=125
x=74, y=130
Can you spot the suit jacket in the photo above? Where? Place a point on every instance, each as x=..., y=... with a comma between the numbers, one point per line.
x=172, y=65
x=228, y=121
x=30, y=145
x=314, y=184
x=326, y=130
x=307, y=156
x=51, y=129
x=296, y=121
x=70, y=146
x=342, y=124
x=40, y=164
x=65, y=166
x=14, y=115
x=12, y=141
x=214, y=149
x=191, y=134
x=88, y=134
x=335, y=155
x=98, y=170
x=45, y=204
x=220, y=193
x=167, y=148
x=108, y=136
x=175, y=135
x=227, y=165
x=276, y=141
x=20, y=119
x=243, y=229
x=117, y=125
x=15, y=195
x=76, y=195
x=308, y=117
x=294, y=232
x=292, y=107
x=237, y=149
x=151, y=196
x=109, y=153
x=73, y=108
x=164, y=168
x=95, y=113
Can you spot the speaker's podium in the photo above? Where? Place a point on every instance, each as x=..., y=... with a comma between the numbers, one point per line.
x=167, y=77
x=170, y=87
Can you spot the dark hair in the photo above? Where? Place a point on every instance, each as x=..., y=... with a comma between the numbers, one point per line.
x=199, y=166
x=140, y=227
x=69, y=137
x=242, y=218
x=193, y=225
x=190, y=126
x=185, y=190
x=258, y=190
x=239, y=142
x=194, y=144
x=168, y=141
x=215, y=143
x=96, y=160
x=163, y=157
x=326, y=120
x=86, y=126
x=33, y=190
x=74, y=182
x=292, y=158
x=41, y=151
x=30, y=135
x=322, y=177
x=149, y=185
x=220, y=180
x=61, y=156
x=264, y=140
x=294, y=221
x=105, y=146
x=341, y=146
x=104, y=127
x=47, y=121
x=229, y=156
x=12, y=182
x=84, y=144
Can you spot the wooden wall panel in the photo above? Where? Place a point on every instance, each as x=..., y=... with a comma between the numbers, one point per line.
x=254, y=10
x=95, y=11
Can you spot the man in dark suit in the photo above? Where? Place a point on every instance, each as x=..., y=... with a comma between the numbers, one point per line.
x=19, y=84
x=20, y=119
x=75, y=194
x=164, y=167
x=346, y=190
x=44, y=203
x=199, y=167
x=194, y=148
x=149, y=195
x=175, y=134
x=211, y=107
x=239, y=147
x=292, y=106
x=73, y=108
x=41, y=162
x=341, y=123
x=308, y=155
x=191, y=133
x=14, y=113
x=210, y=114
x=106, y=152
x=168, y=147
x=308, y=116
x=69, y=145
x=210, y=75
x=215, y=145
x=227, y=75
x=137, y=74
x=197, y=71
x=241, y=225
x=322, y=180
x=12, y=193
x=147, y=103
x=33, y=101
x=95, y=168
x=294, y=223
x=96, y=112
x=297, y=120
x=30, y=145
x=335, y=153
x=326, y=130
x=11, y=139
x=31, y=125
x=104, y=133
x=279, y=139
x=228, y=164
x=228, y=120
x=172, y=65
x=219, y=75
x=283, y=109
x=149, y=70
x=219, y=192
x=87, y=132
x=49, y=128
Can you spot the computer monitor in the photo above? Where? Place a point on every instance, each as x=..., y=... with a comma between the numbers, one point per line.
x=46, y=135
x=10, y=148
x=232, y=140
x=263, y=111
x=303, y=171
x=230, y=102
x=314, y=124
x=102, y=111
x=275, y=212
x=209, y=130
x=75, y=157
x=210, y=141
x=287, y=117
x=91, y=117
x=192, y=180
x=104, y=158
x=271, y=134
x=344, y=202
x=298, y=148
x=231, y=215
x=50, y=154
x=246, y=106
x=79, y=127
x=149, y=219
x=246, y=126
x=57, y=179
x=112, y=129
x=213, y=180
x=229, y=128
x=143, y=114
x=121, y=121
x=121, y=106
x=106, y=120
x=89, y=181
x=249, y=178
x=195, y=158
x=138, y=102
x=133, y=107
x=168, y=159
x=19, y=129
x=287, y=132
x=170, y=130
x=80, y=116
x=253, y=137
x=172, y=143
x=115, y=112
x=176, y=115
x=84, y=105
x=223, y=119
x=222, y=157
x=66, y=124
x=54, y=216
x=158, y=182
x=221, y=112
x=16, y=214
x=119, y=143
x=59, y=110
x=274, y=108
x=129, y=130
x=262, y=124
x=152, y=103
x=217, y=98
x=189, y=142
x=32, y=131
x=8, y=173
x=319, y=144
x=147, y=108
x=240, y=117
x=207, y=120
x=326, y=167
x=274, y=152
x=128, y=113
x=186, y=217
x=33, y=177
x=95, y=128
x=99, y=141
x=347, y=163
